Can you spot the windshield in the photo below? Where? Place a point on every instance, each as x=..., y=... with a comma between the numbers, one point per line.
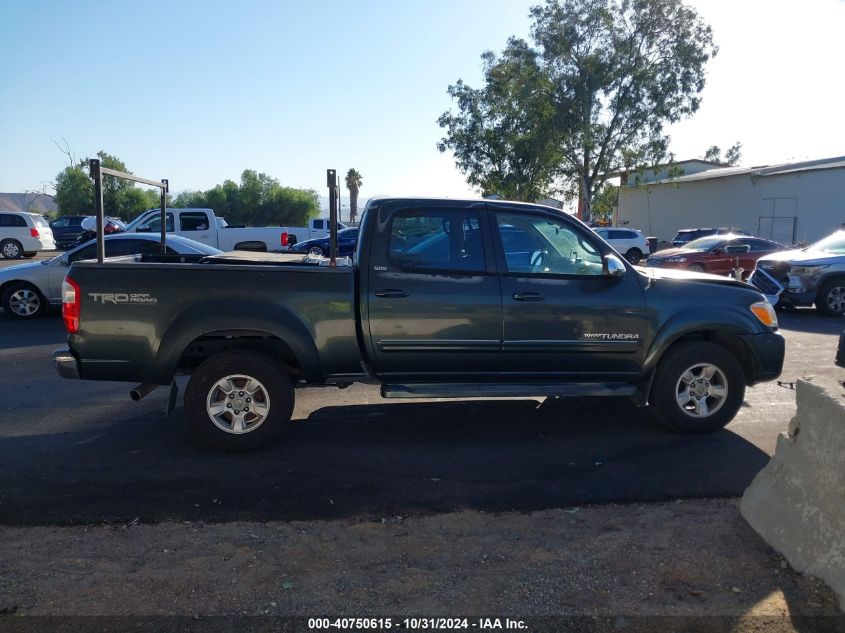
x=145, y=215
x=832, y=244
x=704, y=243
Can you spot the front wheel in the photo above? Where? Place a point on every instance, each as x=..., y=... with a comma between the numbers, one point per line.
x=238, y=401
x=315, y=251
x=697, y=268
x=698, y=388
x=831, y=298
x=634, y=255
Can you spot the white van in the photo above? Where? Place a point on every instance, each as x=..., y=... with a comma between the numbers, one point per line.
x=24, y=234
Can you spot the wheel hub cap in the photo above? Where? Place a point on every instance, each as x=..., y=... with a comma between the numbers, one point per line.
x=701, y=390
x=24, y=302
x=238, y=404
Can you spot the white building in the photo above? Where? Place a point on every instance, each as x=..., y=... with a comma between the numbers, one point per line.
x=788, y=203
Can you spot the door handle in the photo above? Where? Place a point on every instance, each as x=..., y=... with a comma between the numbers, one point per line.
x=528, y=296
x=391, y=294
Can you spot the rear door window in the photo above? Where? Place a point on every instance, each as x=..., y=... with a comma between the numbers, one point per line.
x=437, y=240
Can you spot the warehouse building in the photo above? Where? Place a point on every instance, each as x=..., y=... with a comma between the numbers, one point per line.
x=788, y=203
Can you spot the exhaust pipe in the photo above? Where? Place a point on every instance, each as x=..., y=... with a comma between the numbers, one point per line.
x=142, y=390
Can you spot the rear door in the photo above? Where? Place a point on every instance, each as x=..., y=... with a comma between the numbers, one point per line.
x=562, y=318
x=433, y=298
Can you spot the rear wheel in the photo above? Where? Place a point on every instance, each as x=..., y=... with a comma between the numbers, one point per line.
x=23, y=301
x=238, y=401
x=315, y=251
x=634, y=255
x=831, y=297
x=697, y=268
x=11, y=249
x=698, y=388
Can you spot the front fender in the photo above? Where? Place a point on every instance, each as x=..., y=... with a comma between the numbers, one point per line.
x=733, y=321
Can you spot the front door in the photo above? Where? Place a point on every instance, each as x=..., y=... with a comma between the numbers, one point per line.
x=434, y=303
x=563, y=318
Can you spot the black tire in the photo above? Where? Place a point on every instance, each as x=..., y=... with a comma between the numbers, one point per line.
x=634, y=255
x=668, y=389
x=278, y=390
x=11, y=249
x=23, y=301
x=697, y=268
x=316, y=251
x=830, y=300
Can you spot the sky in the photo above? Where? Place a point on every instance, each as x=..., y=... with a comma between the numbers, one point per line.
x=196, y=92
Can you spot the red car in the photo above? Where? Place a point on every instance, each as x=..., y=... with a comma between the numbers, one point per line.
x=710, y=254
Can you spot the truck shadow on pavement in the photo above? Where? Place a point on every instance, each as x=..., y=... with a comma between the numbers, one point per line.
x=369, y=462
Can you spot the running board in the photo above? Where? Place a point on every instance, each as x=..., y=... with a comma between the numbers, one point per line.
x=506, y=389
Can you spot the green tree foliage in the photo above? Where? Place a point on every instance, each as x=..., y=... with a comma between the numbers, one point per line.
x=589, y=99
x=259, y=200
x=121, y=198
x=605, y=201
x=732, y=156
x=354, y=180
x=74, y=192
x=501, y=135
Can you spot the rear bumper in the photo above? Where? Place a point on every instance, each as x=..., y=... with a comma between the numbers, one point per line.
x=767, y=352
x=66, y=364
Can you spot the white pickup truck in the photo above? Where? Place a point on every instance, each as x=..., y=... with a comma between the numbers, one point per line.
x=203, y=226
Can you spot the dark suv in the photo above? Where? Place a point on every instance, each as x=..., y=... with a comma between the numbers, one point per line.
x=66, y=229
x=688, y=235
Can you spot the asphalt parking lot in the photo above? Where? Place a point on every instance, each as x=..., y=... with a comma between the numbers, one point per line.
x=75, y=452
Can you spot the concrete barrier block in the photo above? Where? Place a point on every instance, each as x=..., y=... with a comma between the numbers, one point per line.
x=797, y=502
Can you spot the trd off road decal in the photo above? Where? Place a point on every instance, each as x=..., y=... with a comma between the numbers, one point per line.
x=122, y=297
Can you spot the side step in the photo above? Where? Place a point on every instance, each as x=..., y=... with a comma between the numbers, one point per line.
x=506, y=389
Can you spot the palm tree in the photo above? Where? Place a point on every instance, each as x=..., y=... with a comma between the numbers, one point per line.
x=353, y=183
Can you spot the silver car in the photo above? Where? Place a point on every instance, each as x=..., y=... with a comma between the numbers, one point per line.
x=28, y=290
x=811, y=275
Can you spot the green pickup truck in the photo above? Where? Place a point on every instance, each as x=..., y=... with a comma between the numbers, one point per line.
x=444, y=298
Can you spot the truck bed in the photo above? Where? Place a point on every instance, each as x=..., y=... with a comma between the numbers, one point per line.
x=161, y=310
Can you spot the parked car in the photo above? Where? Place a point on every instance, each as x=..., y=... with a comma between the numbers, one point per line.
x=27, y=290
x=713, y=254
x=203, y=226
x=684, y=236
x=346, y=241
x=67, y=229
x=807, y=276
x=317, y=227
x=24, y=234
x=630, y=242
x=450, y=299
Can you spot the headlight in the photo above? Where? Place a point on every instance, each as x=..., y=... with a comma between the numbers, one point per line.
x=675, y=260
x=765, y=313
x=809, y=271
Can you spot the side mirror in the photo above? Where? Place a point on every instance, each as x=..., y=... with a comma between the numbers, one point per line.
x=612, y=266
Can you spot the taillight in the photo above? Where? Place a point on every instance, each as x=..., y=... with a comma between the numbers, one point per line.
x=285, y=238
x=34, y=232
x=71, y=300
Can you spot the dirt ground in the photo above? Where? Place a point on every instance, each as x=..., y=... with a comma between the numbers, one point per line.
x=683, y=558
